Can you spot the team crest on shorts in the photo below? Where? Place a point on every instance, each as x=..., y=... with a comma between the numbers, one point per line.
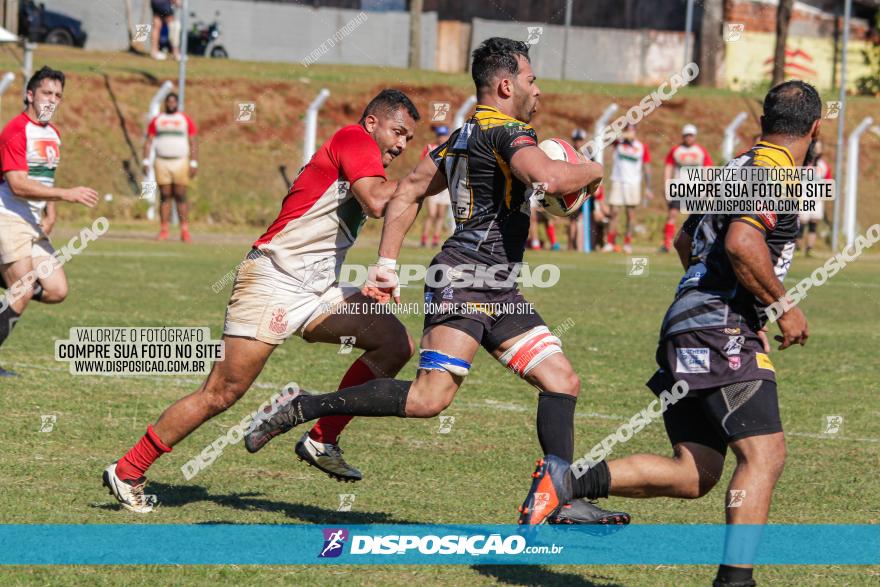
x=734, y=345
x=278, y=323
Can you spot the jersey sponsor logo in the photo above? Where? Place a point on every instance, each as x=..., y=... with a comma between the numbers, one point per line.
x=48, y=150
x=769, y=219
x=692, y=360
x=278, y=323
x=763, y=362
x=734, y=345
x=731, y=331
x=523, y=141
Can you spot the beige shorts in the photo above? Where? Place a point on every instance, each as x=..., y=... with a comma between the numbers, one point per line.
x=269, y=305
x=172, y=171
x=624, y=194
x=441, y=199
x=816, y=215
x=19, y=239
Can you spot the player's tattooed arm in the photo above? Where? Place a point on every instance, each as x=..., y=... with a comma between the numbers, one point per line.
x=531, y=165
x=373, y=193
x=28, y=189
x=750, y=258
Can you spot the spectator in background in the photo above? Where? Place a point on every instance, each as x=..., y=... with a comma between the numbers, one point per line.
x=594, y=206
x=686, y=154
x=163, y=13
x=810, y=220
x=629, y=165
x=174, y=135
x=438, y=204
x=540, y=216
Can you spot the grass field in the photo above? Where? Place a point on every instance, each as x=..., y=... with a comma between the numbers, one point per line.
x=476, y=474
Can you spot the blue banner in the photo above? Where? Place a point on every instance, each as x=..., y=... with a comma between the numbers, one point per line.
x=94, y=544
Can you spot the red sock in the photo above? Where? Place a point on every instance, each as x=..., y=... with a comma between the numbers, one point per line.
x=328, y=428
x=612, y=237
x=136, y=461
x=628, y=239
x=668, y=233
x=551, y=233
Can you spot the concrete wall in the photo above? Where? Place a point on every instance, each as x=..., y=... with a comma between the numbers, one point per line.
x=749, y=61
x=594, y=54
x=265, y=31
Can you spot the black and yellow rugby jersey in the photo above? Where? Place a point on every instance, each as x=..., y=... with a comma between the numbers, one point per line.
x=490, y=205
x=709, y=295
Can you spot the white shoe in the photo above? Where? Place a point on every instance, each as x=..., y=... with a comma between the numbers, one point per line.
x=131, y=497
x=326, y=457
x=159, y=56
x=627, y=249
x=608, y=248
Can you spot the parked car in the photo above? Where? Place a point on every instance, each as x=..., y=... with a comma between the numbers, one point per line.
x=39, y=25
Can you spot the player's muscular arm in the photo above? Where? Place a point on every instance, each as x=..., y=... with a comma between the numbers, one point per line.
x=423, y=181
x=532, y=165
x=28, y=189
x=373, y=194
x=751, y=263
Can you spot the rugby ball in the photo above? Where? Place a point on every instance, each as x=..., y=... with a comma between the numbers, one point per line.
x=563, y=204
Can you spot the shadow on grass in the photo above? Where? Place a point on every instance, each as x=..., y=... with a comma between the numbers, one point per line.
x=535, y=575
x=171, y=496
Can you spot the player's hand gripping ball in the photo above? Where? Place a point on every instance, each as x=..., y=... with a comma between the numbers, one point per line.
x=564, y=204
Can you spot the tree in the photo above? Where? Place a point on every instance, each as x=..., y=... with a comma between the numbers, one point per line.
x=869, y=84
x=783, y=18
x=711, y=43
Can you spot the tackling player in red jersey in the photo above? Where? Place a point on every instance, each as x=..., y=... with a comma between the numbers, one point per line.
x=288, y=285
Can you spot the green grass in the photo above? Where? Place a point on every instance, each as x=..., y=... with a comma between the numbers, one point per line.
x=476, y=474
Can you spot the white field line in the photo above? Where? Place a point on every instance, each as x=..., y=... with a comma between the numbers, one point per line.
x=467, y=405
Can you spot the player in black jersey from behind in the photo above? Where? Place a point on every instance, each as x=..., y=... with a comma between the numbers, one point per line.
x=713, y=338
x=489, y=166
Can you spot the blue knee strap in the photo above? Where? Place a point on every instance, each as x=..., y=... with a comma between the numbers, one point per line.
x=437, y=361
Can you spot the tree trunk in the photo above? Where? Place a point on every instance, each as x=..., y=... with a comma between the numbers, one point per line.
x=783, y=17
x=711, y=43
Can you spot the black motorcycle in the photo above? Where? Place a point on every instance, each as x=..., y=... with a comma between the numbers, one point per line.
x=202, y=38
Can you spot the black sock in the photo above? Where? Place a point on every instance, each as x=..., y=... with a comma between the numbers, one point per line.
x=556, y=424
x=733, y=575
x=593, y=484
x=8, y=318
x=376, y=398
